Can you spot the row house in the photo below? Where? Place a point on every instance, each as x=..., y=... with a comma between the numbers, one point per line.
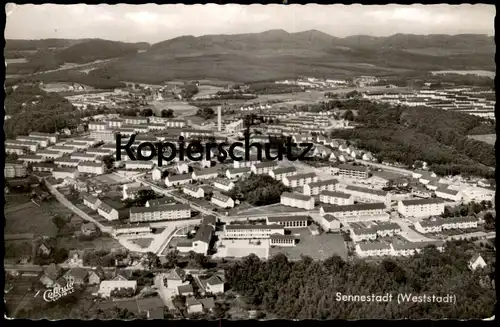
x=162, y=212
x=300, y=179
x=207, y=173
x=139, y=165
x=237, y=231
x=31, y=158
x=44, y=167
x=65, y=172
x=94, y=168
x=337, y=198
x=263, y=168
x=437, y=225
x=223, y=184
x=367, y=195
x=289, y=222
x=51, y=137
x=316, y=188
x=297, y=200
x=350, y=171
x=107, y=211
x=193, y=190
x=41, y=141
x=176, y=180
x=49, y=154
x=31, y=146
x=222, y=200
x=421, y=208
x=404, y=249
x=237, y=172
x=160, y=202
x=282, y=172
x=357, y=212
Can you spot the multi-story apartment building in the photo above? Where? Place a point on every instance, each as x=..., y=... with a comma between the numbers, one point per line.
x=297, y=200
x=13, y=170
x=31, y=158
x=350, y=171
x=421, y=208
x=238, y=231
x=280, y=173
x=106, y=135
x=223, y=184
x=263, y=168
x=368, y=195
x=175, y=180
x=94, y=168
x=16, y=149
x=193, y=190
x=289, y=222
x=91, y=201
x=162, y=212
x=31, y=146
x=63, y=149
x=316, y=188
x=300, y=179
x=83, y=156
x=44, y=167
x=338, y=198
x=49, y=154
x=51, y=137
x=135, y=120
x=438, y=225
x=65, y=172
x=357, y=212
x=206, y=173
x=139, y=165
x=107, y=211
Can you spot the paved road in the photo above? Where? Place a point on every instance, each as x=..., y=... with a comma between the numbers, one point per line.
x=408, y=233
x=385, y=167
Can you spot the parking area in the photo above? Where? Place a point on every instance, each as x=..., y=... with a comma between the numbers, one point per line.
x=318, y=247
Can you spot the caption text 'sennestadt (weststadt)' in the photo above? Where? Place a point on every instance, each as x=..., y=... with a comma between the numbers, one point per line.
x=159, y=149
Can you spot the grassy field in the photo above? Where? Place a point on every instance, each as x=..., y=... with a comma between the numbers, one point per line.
x=142, y=242
x=99, y=243
x=181, y=109
x=487, y=138
x=318, y=247
x=29, y=218
x=270, y=209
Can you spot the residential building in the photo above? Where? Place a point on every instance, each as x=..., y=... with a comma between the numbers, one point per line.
x=15, y=149
x=476, y=262
x=214, y=285
x=62, y=173
x=31, y=158
x=350, y=171
x=300, y=179
x=96, y=276
x=182, y=168
x=161, y=201
x=206, y=173
x=91, y=168
x=195, y=191
x=132, y=229
x=67, y=162
x=223, y=184
x=43, y=167
x=175, y=277
x=263, y=168
x=202, y=238
x=76, y=276
x=289, y=222
x=139, y=164
x=368, y=195
x=438, y=225
x=91, y=201
x=49, y=154
x=237, y=231
x=338, y=198
x=357, y=212
x=13, y=170
x=175, y=180
x=158, y=173
x=316, y=188
x=52, y=137
x=449, y=194
x=88, y=229
x=297, y=200
x=421, y=208
x=50, y=275
x=237, y=172
x=108, y=286
x=107, y=211
x=222, y=200
x=330, y=224
x=409, y=249
x=193, y=305
x=245, y=163
x=282, y=172
x=161, y=212
x=383, y=179
x=373, y=249
x=185, y=290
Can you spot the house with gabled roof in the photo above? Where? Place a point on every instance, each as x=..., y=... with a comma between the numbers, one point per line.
x=76, y=276
x=193, y=305
x=50, y=275
x=175, y=277
x=222, y=200
x=476, y=262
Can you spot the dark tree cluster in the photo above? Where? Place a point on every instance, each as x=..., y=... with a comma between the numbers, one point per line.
x=258, y=190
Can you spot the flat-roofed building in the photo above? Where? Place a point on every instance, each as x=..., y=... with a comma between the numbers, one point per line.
x=421, y=208
x=316, y=188
x=282, y=240
x=162, y=212
x=289, y=222
x=357, y=212
x=238, y=231
x=297, y=200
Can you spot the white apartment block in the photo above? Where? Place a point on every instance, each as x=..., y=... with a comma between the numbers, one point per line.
x=245, y=164
x=14, y=170
x=438, y=225
x=52, y=137
x=382, y=249
x=448, y=194
x=163, y=212
x=67, y=162
x=63, y=149
x=263, y=168
x=182, y=168
x=237, y=172
x=280, y=173
x=330, y=223
x=421, y=208
x=207, y=173
x=19, y=150
x=63, y=172
x=135, y=120
x=368, y=195
x=49, y=154
x=31, y=146
x=194, y=191
x=297, y=200
x=98, y=126
x=179, y=123
x=238, y=231
x=223, y=184
x=350, y=171
x=338, y=198
x=107, y=212
x=91, y=168
x=300, y=179
x=139, y=164
x=357, y=212
x=222, y=200
x=31, y=158
x=83, y=156
x=316, y=188
x=41, y=141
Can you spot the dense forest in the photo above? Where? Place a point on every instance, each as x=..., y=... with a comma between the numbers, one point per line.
x=306, y=289
x=436, y=136
x=32, y=109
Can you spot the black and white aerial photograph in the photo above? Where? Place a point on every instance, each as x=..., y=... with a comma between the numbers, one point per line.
x=249, y=162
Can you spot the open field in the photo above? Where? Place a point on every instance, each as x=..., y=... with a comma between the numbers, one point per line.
x=204, y=90
x=32, y=219
x=269, y=210
x=487, y=138
x=318, y=247
x=142, y=242
x=19, y=296
x=99, y=243
x=109, y=179
x=180, y=108
x=465, y=72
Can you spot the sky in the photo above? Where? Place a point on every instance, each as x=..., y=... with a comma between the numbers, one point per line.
x=154, y=23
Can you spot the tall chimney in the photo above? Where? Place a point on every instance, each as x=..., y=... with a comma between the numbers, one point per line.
x=219, y=118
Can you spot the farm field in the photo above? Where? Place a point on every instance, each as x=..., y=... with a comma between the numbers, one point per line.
x=29, y=218
x=487, y=138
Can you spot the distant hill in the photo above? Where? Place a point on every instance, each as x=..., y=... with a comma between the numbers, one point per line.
x=93, y=50
x=279, y=54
